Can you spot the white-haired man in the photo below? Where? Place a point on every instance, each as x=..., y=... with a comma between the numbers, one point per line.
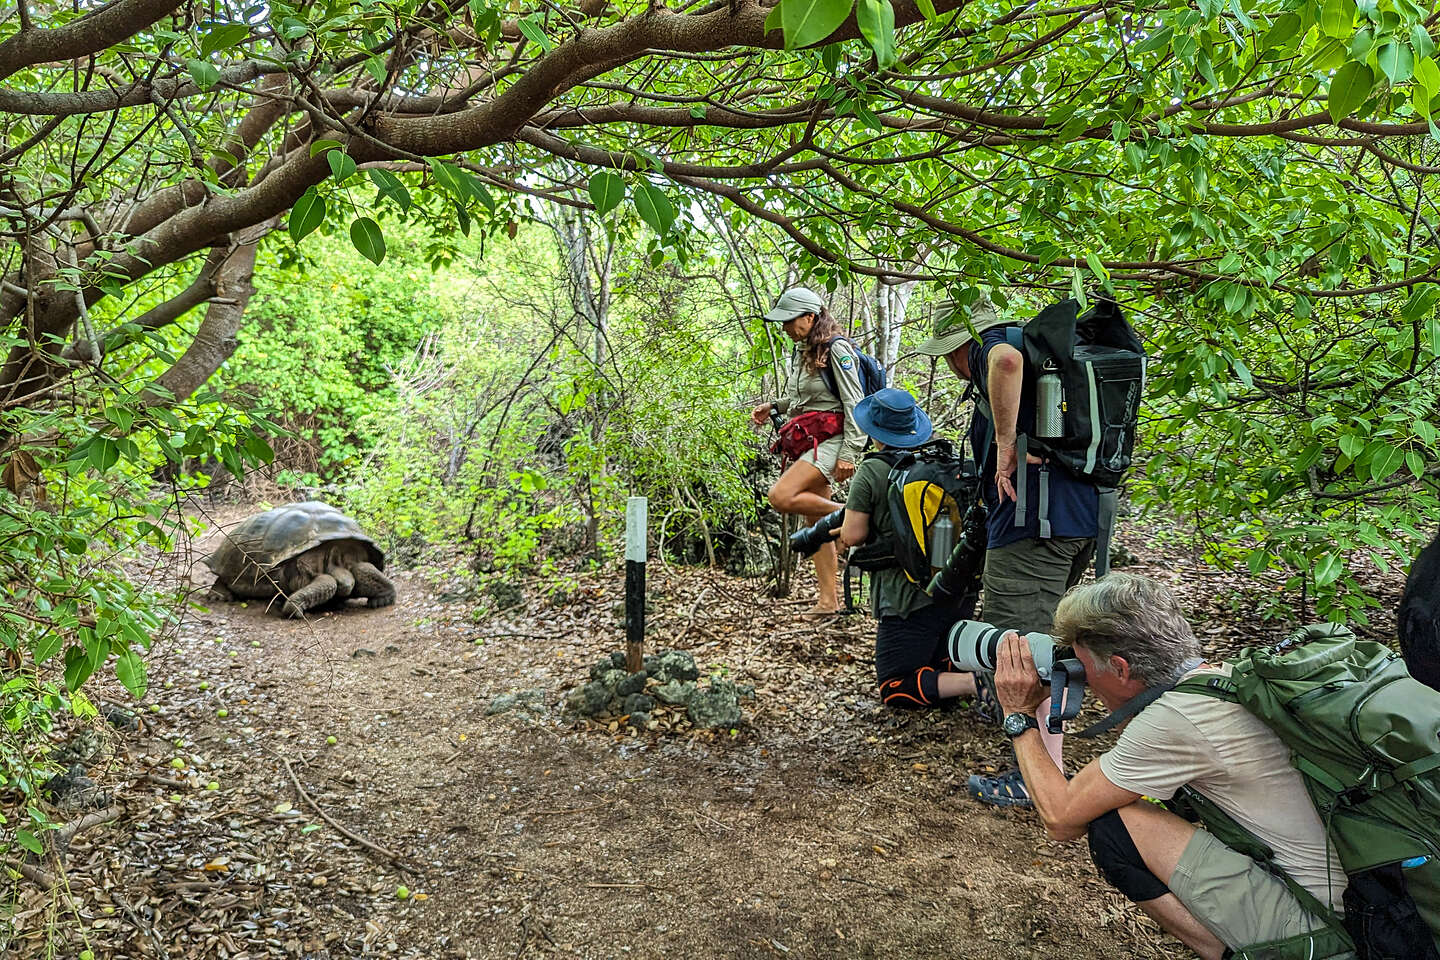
x=1130, y=635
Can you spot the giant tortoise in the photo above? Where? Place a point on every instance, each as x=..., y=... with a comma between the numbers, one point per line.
x=307, y=553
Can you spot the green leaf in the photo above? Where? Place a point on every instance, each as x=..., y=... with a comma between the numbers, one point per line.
x=1427, y=75
x=1351, y=444
x=1096, y=267
x=307, y=214
x=1396, y=62
x=78, y=667
x=341, y=165
x=1328, y=569
x=1420, y=39
x=926, y=8
x=654, y=207
x=376, y=68
x=30, y=842
x=1386, y=461
x=365, y=234
x=876, y=20
x=1349, y=88
x=320, y=146
x=1337, y=18
x=606, y=191
x=1281, y=31
x=104, y=453
x=803, y=22
x=223, y=38
x=1416, y=463
x=1158, y=40
x=390, y=188
x=48, y=645
x=534, y=32
x=206, y=74
x=130, y=669
x=1243, y=372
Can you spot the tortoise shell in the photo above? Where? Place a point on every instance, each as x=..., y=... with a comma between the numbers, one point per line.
x=271, y=538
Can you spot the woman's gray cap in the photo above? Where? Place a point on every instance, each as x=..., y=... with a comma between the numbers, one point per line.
x=793, y=303
x=956, y=326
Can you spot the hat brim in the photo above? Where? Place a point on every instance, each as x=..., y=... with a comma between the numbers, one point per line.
x=777, y=315
x=948, y=344
x=902, y=441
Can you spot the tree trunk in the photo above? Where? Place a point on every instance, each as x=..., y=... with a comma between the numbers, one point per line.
x=891, y=301
x=216, y=338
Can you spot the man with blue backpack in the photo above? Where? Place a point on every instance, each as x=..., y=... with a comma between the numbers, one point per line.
x=1050, y=454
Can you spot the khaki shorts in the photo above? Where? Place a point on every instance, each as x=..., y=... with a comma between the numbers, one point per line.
x=824, y=458
x=1239, y=901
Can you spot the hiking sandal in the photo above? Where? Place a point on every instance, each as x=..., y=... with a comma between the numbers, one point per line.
x=1004, y=790
x=986, y=706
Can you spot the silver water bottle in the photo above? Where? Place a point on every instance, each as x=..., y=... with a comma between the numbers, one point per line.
x=1049, y=402
x=942, y=540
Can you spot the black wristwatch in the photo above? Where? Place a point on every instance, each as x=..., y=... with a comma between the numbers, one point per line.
x=1017, y=723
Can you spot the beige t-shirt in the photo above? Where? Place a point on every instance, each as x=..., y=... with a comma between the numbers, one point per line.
x=1223, y=751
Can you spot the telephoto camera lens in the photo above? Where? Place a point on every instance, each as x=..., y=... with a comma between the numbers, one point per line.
x=973, y=645
x=809, y=539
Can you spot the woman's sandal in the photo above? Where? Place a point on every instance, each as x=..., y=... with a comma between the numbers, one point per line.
x=986, y=707
x=1005, y=790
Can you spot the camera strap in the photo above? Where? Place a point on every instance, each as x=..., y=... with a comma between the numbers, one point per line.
x=1148, y=696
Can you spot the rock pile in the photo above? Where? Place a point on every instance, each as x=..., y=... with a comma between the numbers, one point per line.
x=669, y=683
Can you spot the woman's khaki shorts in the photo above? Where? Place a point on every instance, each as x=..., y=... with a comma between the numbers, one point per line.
x=824, y=457
x=1239, y=901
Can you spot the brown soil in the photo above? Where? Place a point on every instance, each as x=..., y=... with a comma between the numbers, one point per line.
x=824, y=827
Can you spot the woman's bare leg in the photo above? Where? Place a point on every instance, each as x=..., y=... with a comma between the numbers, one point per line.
x=803, y=489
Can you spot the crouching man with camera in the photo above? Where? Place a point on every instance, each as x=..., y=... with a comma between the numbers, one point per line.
x=1129, y=634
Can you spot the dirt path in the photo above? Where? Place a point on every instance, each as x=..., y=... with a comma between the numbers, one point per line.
x=822, y=828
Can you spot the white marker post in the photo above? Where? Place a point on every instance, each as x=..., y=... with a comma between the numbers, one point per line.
x=637, y=516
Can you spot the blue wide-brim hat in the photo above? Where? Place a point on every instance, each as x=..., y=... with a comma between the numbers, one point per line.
x=892, y=417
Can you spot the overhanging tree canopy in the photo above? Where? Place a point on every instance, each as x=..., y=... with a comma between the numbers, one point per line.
x=1252, y=172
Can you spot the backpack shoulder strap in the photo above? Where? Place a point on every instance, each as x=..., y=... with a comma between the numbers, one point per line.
x=826, y=373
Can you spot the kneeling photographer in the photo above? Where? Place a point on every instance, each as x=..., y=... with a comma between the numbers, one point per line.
x=910, y=663
x=1133, y=642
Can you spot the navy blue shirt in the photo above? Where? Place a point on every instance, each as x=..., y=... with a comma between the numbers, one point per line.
x=1073, y=504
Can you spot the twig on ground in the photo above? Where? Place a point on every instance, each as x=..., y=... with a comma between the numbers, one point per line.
x=29, y=871
x=394, y=858
x=557, y=813
x=690, y=620
x=621, y=886
x=67, y=833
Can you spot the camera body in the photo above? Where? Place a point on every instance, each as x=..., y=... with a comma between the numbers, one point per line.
x=973, y=645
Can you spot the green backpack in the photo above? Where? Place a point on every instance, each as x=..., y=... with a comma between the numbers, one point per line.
x=1365, y=737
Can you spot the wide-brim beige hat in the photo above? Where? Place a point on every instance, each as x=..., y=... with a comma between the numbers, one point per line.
x=956, y=325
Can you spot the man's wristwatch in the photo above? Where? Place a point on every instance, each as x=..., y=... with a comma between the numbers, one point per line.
x=1017, y=723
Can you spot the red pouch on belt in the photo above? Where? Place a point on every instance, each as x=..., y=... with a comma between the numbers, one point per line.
x=802, y=434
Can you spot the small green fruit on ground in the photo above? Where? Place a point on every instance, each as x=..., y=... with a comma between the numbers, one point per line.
x=402, y=892
x=178, y=763
x=212, y=785
x=204, y=684
x=331, y=741
x=222, y=713
x=154, y=708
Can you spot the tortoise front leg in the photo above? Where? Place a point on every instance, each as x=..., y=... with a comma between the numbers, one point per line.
x=370, y=582
x=344, y=581
x=310, y=596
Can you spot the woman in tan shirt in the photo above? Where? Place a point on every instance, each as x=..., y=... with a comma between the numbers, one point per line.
x=835, y=440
